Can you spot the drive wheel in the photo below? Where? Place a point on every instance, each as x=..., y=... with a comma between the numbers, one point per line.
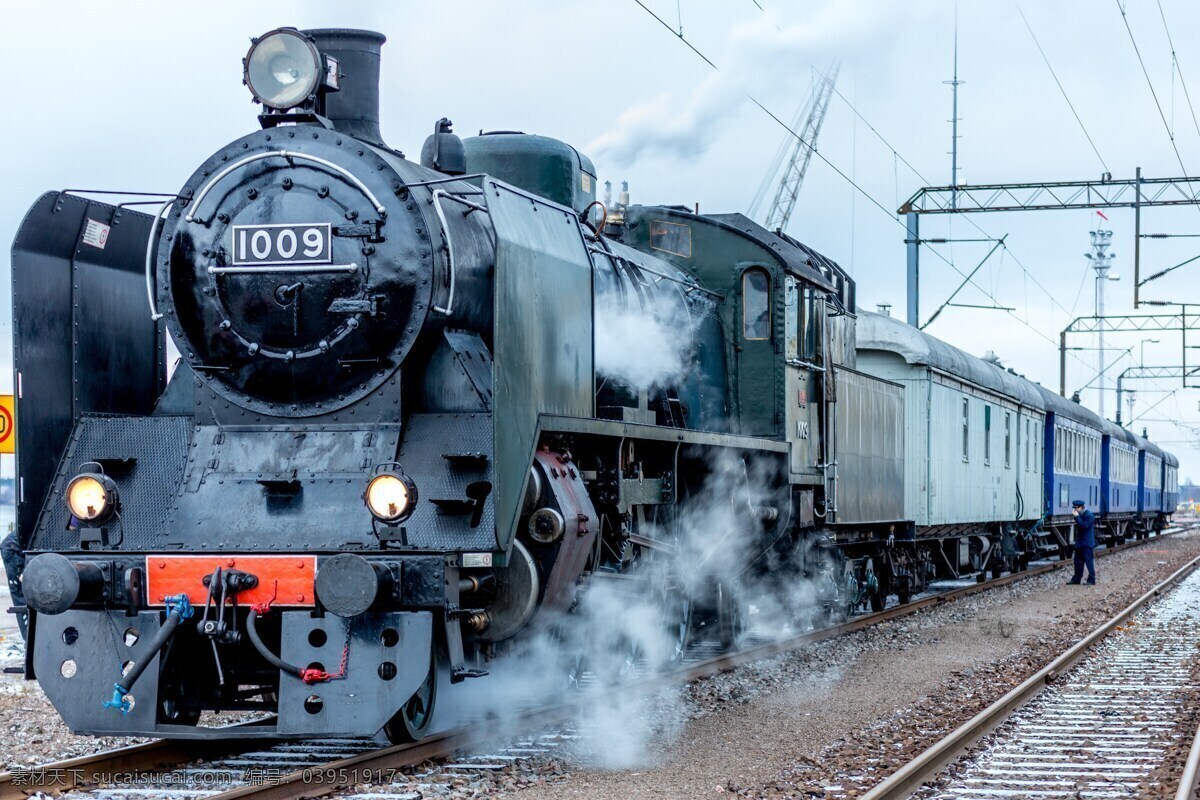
x=672, y=594
x=731, y=618
x=677, y=624
x=411, y=722
x=879, y=596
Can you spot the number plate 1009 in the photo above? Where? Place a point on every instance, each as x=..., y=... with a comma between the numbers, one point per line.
x=282, y=244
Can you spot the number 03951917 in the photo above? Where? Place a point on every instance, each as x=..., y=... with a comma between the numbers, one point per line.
x=282, y=244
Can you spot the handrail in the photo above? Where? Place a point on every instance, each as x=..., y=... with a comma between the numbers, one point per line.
x=289, y=155
x=438, y=194
x=274, y=268
x=154, y=315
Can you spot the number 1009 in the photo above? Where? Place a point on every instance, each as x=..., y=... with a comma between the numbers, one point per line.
x=282, y=244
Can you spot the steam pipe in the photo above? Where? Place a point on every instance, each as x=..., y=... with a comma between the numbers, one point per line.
x=179, y=608
x=156, y=644
x=263, y=650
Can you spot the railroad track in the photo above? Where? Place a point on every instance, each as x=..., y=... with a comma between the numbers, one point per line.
x=292, y=770
x=1097, y=722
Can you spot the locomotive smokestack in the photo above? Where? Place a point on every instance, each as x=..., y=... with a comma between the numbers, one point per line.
x=354, y=108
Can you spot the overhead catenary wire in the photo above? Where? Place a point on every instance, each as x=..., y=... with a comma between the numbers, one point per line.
x=1098, y=375
x=768, y=181
x=1145, y=72
x=846, y=177
x=772, y=115
x=1178, y=68
x=1151, y=408
x=1087, y=268
x=1054, y=75
x=897, y=156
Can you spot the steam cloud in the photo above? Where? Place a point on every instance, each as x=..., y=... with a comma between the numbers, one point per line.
x=682, y=127
x=615, y=630
x=644, y=347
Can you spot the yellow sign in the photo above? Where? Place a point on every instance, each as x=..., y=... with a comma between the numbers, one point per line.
x=8, y=426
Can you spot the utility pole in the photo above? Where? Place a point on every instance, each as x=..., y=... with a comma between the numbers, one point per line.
x=954, y=84
x=1101, y=261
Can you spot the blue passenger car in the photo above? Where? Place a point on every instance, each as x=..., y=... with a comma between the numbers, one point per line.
x=1170, y=484
x=1118, y=482
x=1073, y=437
x=1150, y=484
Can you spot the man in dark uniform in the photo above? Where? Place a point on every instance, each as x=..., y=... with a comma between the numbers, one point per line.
x=1085, y=542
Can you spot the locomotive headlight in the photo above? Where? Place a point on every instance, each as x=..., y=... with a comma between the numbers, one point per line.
x=283, y=68
x=91, y=497
x=390, y=497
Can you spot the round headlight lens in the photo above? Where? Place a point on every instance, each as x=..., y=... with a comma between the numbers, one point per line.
x=89, y=499
x=390, y=497
x=282, y=69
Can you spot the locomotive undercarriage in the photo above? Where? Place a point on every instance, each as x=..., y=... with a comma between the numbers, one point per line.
x=875, y=564
x=674, y=541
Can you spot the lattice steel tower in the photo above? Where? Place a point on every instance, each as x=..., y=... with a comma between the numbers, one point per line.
x=780, y=212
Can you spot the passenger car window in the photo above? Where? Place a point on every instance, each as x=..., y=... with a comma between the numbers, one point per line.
x=966, y=429
x=756, y=305
x=1028, y=447
x=1007, y=439
x=987, y=434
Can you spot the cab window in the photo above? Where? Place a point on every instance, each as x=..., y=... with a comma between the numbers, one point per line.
x=756, y=305
x=671, y=237
x=809, y=322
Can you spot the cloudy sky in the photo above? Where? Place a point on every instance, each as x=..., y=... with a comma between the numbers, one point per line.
x=133, y=95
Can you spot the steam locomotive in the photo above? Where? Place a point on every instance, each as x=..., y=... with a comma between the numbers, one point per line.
x=423, y=410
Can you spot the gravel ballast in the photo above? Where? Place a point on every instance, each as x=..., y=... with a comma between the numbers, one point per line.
x=835, y=718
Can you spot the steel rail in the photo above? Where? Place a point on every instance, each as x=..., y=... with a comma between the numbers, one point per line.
x=317, y=781
x=77, y=772
x=904, y=781
x=1190, y=779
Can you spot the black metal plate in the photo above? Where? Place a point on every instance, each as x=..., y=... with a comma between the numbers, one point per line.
x=83, y=339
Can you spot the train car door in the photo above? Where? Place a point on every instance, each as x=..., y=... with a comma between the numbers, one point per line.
x=801, y=373
x=756, y=360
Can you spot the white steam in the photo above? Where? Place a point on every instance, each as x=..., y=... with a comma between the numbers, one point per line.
x=765, y=49
x=644, y=347
x=619, y=632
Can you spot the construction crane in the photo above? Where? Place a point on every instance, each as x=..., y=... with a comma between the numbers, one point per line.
x=799, y=150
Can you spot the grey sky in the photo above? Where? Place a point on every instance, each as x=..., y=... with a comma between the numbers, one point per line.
x=134, y=95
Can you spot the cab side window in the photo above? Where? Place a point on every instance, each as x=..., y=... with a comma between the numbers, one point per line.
x=810, y=322
x=756, y=305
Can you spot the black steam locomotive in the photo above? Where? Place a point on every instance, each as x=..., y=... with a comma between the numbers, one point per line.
x=423, y=410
